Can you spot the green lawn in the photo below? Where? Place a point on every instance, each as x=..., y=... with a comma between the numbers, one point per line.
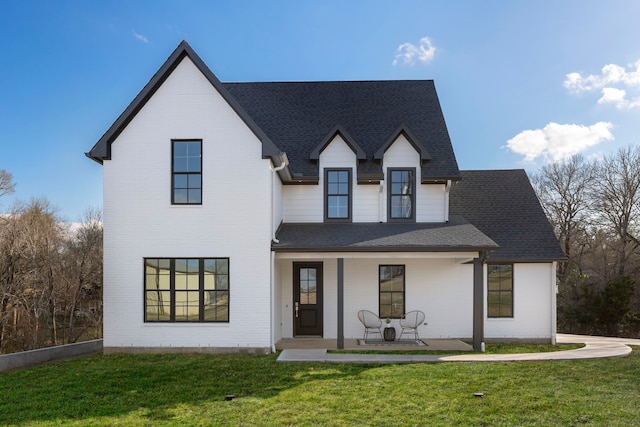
x=190, y=390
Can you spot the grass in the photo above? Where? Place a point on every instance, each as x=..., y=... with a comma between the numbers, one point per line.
x=190, y=390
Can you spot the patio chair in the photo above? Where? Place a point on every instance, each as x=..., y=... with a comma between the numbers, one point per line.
x=372, y=323
x=410, y=322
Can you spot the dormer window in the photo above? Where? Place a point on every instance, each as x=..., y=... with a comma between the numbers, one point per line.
x=186, y=172
x=401, y=185
x=337, y=195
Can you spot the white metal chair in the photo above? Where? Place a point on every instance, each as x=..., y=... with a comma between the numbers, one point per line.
x=372, y=323
x=410, y=322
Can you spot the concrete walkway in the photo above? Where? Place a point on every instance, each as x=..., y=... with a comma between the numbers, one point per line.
x=595, y=348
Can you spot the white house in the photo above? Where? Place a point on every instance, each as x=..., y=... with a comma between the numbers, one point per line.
x=238, y=214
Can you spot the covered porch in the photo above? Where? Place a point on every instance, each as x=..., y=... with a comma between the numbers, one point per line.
x=325, y=273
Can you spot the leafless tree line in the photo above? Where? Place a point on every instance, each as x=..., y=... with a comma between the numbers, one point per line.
x=594, y=207
x=50, y=276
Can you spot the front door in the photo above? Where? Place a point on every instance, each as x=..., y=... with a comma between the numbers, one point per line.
x=307, y=298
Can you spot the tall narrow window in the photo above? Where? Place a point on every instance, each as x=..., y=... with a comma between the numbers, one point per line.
x=391, y=291
x=338, y=194
x=186, y=289
x=186, y=177
x=401, y=183
x=500, y=290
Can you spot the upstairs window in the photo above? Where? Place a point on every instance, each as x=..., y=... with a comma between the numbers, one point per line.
x=338, y=194
x=401, y=184
x=500, y=290
x=186, y=172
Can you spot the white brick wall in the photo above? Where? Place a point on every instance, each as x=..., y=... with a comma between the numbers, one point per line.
x=234, y=220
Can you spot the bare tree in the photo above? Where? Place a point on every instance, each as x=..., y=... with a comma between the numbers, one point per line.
x=616, y=197
x=83, y=275
x=563, y=190
x=7, y=260
x=6, y=184
x=50, y=277
x=41, y=238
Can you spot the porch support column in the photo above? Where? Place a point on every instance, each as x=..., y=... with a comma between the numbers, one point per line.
x=478, y=302
x=340, y=343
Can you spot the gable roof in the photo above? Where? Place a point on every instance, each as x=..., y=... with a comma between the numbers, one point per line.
x=298, y=116
x=503, y=205
x=102, y=149
x=338, y=130
x=415, y=143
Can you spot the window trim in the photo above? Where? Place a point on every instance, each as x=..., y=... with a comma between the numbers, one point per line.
x=499, y=291
x=174, y=173
x=389, y=182
x=404, y=289
x=172, y=290
x=349, y=217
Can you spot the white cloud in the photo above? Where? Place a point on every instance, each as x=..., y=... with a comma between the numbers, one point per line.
x=611, y=95
x=556, y=142
x=613, y=81
x=408, y=53
x=140, y=37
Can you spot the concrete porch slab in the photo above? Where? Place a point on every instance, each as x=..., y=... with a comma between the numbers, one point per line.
x=354, y=345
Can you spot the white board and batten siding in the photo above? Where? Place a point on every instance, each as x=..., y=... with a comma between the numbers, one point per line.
x=430, y=198
x=140, y=221
x=437, y=284
x=440, y=285
x=533, y=292
x=305, y=203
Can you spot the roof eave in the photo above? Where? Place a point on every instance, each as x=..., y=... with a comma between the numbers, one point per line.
x=277, y=248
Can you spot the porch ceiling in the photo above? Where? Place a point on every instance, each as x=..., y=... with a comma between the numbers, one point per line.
x=457, y=235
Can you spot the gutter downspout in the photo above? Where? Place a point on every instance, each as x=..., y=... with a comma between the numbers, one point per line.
x=380, y=202
x=284, y=161
x=447, y=188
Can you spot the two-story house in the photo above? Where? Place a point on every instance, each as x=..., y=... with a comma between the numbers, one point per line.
x=238, y=214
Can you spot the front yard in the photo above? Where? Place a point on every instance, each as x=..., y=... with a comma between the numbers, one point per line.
x=191, y=390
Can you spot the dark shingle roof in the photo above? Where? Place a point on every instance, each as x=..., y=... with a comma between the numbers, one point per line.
x=503, y=205
x=299, y=116
x=456, y=236
x=296, y=118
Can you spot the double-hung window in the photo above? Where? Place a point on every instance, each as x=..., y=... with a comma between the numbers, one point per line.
x=500, y=290
x=186, y=172
x=391, y=288
x=186, y=289
x=401, y=201
x=337, y=194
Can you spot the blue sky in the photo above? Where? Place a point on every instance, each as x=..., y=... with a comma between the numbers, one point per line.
x=521, y=83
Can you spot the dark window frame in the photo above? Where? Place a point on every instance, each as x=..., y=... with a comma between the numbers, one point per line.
x=390, y=194
x=349, y=195
x=500, y=305
x=404, y=291
x=174, y=174
x=173, y=291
